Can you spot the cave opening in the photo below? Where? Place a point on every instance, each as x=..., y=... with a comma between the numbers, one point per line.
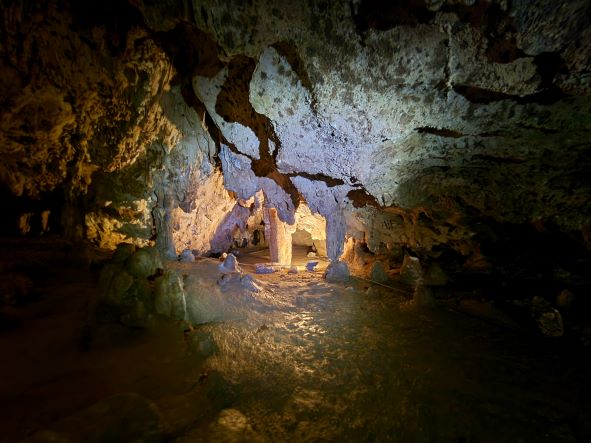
x=264, y=237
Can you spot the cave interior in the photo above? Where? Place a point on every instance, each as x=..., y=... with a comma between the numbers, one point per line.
x=261, y=220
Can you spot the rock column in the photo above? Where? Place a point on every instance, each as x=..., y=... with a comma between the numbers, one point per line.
x=163, y=220
x=278, y=236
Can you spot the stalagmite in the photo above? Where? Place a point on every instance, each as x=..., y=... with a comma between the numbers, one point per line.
x=278, y=234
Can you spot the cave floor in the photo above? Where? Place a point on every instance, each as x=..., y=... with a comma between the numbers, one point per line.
x=299, y=360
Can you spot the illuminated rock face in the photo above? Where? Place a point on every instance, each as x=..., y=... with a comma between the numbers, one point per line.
x=426, y=127
x=279, y=235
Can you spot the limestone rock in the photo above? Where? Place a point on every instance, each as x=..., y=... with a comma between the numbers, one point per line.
x=411, y=270
x=378, y=272
x=187, y=256
x=265, y=268
x=169, y=296
x=337, y=272
x=311, y=266
x=548, y=319
x=144, y=262
x=233, y=425
x=249, y=283
x=229, y=265
x=114, y=284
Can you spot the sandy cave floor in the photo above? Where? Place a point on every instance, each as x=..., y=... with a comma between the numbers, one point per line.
x=300, y=360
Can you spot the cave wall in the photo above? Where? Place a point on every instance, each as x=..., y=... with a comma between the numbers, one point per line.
x=93, y=114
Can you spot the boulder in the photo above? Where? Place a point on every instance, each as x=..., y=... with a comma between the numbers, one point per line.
x=379, y=273
x=114, y=284
x=144, y=262
x=411, y=270
x=548, y=319
x=229, y=265
x=187, y=256
x=169, y=297
x=337, y=271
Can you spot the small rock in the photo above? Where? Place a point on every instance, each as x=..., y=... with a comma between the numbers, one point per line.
x=337, y=272
x=261, y=268
x=233, y=426
x=550, y=323
x=249, y=283
x=411, y=271
x=565, y=299
x=229, y=265
x=187, y=256
x=293, y=270
x=547, y=318
x=311, y=265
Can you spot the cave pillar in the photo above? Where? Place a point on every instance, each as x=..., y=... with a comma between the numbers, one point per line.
x=335, y=235
x=163, y=222
x=278, y=236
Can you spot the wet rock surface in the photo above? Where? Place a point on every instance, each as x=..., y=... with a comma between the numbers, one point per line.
x=300, y=359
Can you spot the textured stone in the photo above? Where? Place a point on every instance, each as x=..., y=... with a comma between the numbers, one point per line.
x=144, y=262
x=378, y=272
x=337, y=272
x=411, y=271
x=229, y=265
x=169, y=296
x=187, y=256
